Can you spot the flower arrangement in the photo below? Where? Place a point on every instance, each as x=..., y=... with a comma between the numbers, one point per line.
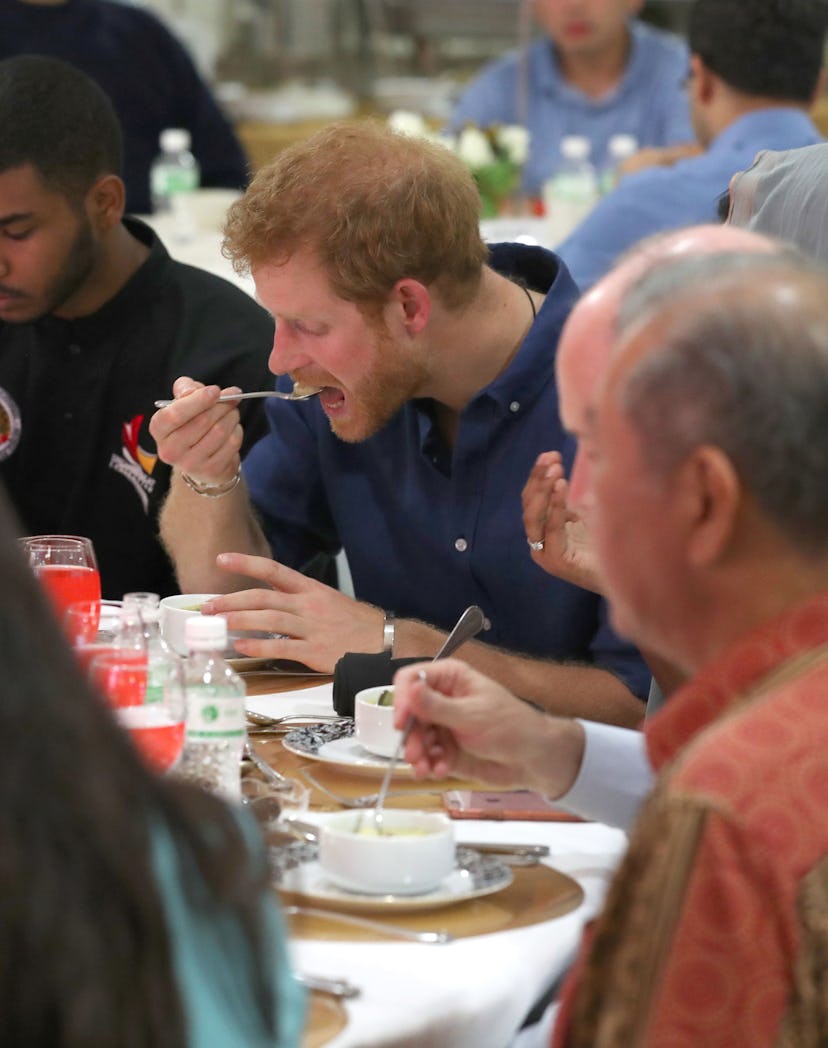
x=494, y=155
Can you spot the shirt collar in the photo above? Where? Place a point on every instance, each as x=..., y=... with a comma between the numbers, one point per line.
x=744, y=664
x=763, y=124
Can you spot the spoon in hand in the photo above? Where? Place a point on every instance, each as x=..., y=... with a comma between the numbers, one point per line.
x=303, y=394
x=468, y=625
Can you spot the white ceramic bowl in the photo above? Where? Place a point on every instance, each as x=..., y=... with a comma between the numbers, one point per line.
x=413, y=856
x=373, y=724
x=175, y=611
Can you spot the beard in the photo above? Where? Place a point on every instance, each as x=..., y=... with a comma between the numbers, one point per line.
x=79, y=262
x=393, y=381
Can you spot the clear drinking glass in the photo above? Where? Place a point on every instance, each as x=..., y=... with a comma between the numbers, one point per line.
x=66, y=566
x=97, y=628
x=155, y=720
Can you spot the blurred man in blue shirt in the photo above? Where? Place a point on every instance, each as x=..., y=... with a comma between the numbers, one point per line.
x=597, y=72
x=754, y=71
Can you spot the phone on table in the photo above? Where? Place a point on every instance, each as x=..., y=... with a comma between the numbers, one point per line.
x=503, y=804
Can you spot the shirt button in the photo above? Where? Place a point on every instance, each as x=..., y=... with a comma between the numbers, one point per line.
x=461, y=545
x=75, y=349
x=514, y=407
x=68, y=415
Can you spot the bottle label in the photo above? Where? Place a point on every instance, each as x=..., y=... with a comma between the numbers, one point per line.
x=210, y=718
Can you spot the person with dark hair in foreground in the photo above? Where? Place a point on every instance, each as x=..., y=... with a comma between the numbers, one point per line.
x=145, y=71
x=96, y=320
x=435, y=357
x=134, y=910
x=754, y=72
x=707, y=450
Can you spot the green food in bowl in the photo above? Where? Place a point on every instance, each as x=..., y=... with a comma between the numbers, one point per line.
x=386, y=698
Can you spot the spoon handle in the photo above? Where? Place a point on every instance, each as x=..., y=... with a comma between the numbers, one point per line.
x=244, y=396
x=383, y=927
x=467, y=626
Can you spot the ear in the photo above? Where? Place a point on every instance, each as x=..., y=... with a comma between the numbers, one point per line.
x=413, y=301
x=105, y=202
x=711, y=494
x=819, y=89
x=703, y=82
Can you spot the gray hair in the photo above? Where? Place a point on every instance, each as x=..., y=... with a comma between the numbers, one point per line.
x=742, y=364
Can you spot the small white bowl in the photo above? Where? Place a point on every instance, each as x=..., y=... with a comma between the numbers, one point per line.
x=373, y=724
x=175, y=611
x=412, y=856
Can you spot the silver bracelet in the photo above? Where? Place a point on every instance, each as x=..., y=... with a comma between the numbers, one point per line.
x=213, y=491
x=388, y=630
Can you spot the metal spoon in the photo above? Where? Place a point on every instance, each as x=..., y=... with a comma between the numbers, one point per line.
x=257, y=393
x=383, y=927
x=468, y=625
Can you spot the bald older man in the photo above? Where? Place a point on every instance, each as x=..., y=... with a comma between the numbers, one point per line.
x=598, y=771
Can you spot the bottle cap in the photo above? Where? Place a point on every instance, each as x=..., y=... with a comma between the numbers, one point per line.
x=621, y=146
x=205, y=632
x=174, y=139
x=575, y=147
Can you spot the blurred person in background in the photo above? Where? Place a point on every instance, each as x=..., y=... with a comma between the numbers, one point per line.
x=96, y=320
x=148, y=75
x=134, y=910
x=755, y=69
x=435, y=357
x=597, y=72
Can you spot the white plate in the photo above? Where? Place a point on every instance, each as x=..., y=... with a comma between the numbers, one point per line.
x=296, y=869
x=335, y=744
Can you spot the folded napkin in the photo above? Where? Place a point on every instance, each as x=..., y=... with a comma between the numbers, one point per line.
x=356, y=671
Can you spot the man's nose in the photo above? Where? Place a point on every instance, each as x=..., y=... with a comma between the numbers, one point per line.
x=286, y=353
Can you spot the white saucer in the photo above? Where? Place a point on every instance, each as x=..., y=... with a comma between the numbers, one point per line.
x=335, y=744
x=296, y=870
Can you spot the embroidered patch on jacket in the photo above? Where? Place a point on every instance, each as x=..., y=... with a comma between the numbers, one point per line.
x=133, y=463
x=10, y=426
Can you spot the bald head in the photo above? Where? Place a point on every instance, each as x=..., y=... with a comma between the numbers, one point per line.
x=590, y=332
x=732, y=352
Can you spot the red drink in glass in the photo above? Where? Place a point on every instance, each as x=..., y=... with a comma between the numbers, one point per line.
x=67, y=584
x=158, y=737
x=121, y=678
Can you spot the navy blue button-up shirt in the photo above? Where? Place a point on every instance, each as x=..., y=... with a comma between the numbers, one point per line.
x=429, y=529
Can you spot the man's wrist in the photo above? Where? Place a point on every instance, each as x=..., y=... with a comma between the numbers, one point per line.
x=388, y=632
x=212, y=491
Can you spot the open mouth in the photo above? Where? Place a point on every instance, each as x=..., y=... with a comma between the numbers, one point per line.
x=332, y=398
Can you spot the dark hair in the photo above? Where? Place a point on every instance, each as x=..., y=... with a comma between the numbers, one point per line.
x=742, y=364
x=85, y=953
x=767, y=48
x=57, y=119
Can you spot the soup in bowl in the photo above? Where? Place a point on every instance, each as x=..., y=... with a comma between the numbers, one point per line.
x=411, y=853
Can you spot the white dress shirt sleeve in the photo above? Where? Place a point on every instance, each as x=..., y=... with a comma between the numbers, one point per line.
x=614, y=777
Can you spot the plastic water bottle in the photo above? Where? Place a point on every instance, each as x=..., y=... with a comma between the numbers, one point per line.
x=161, y=659
x=619, y=149
x=174, y=177
x=571, y=193
x=215, y=710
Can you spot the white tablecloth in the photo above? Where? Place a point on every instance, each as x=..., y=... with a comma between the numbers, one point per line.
x=473, y=992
